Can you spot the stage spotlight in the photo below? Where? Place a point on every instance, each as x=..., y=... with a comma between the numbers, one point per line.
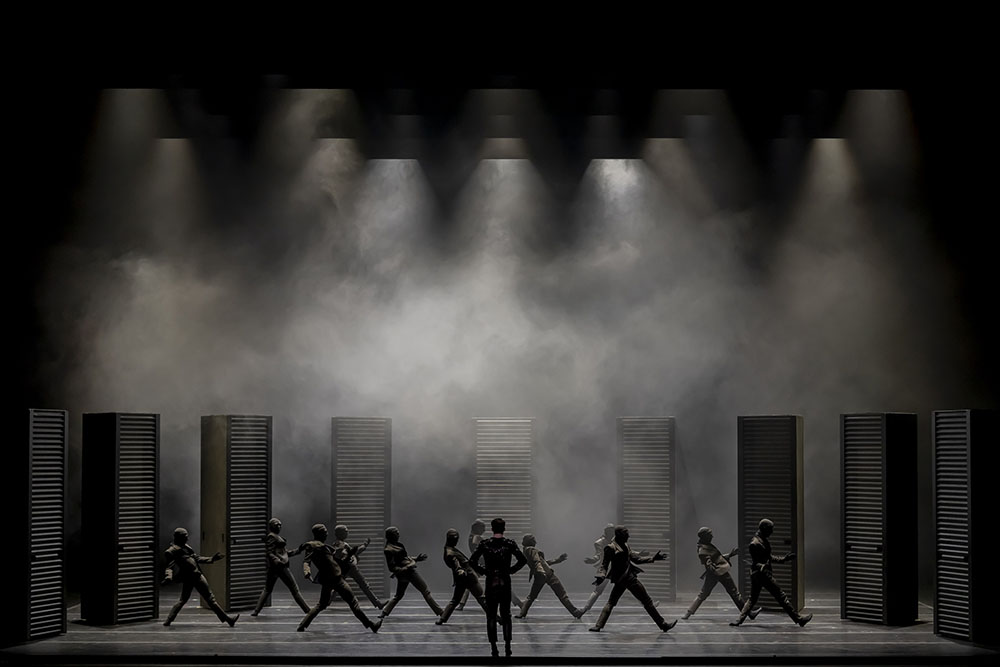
x=396, y=136
x=504, y=148
x=298, y=117
x=718, y=151
x=878, y=125
x=669, y=108
x=603, y=138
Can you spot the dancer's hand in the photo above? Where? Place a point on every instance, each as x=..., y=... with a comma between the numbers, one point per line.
x=218, y=556
x=598, y=581
x=420, y=557
x=659, y=556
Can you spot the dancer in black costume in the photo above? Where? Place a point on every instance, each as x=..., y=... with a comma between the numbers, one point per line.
x=183, y=565
x=475, y=537
x=463, y=577
x=619, y=565
x=404, y=569
x=761, y=576
x=716, y=566
x=277, y=567
x=540, y=572
x=351, y=559
x=496, y=553
x=330, y=575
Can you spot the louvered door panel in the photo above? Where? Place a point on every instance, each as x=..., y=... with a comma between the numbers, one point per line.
x=504, y=476
x=646, y=495
x=770, y=486
x=863, y=508
x=235, y=505
x=138, y=455
x=951, y=523
x=362, y=485
x=878, y=514
x=46, y=603
x=120, y=528
x=249, y=508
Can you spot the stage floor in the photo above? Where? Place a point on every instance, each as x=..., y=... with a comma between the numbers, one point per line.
x=548, y=635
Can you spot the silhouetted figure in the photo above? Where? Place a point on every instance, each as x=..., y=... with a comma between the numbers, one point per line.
x=277, y=567
x=761, y=575
x=351, y=559
x=475, y=537
x=183, y=565
x=404, y=569
x=329, y=574
x=496, y=553
x=463, y=577
x=540, y=573
x=716, y=571
x=619, y=565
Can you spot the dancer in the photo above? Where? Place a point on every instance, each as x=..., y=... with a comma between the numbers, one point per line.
x=463, y=577
x=404, y=569
x=496, y=552
x=541, y=572
x=761, y=575
x=619, y=565
x=595, y=560
x=475, y=535
x=277, y=567
x=330, y=575
x=351, y=560
x=716, y=571
x=183, y=565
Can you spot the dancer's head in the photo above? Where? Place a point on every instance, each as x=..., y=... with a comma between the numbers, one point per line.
x=180, y=536
x=528, y=540
x=478, y=527
x=451, y=537
x=340, y=530
x=392, y=534
x=765, y=527
x=498, y=525
x=274, y=525
x=609, y=532
x=705, y=535
x=621, y=534
x=320, y=532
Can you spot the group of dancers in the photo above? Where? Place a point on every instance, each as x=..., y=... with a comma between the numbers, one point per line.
x=495, y=558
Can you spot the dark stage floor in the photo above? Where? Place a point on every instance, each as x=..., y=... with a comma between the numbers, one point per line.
x=549, y=635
